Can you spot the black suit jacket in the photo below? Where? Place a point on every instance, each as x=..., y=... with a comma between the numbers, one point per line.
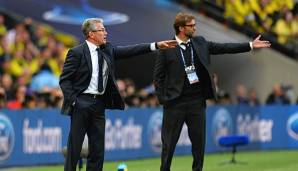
x=77, y=70
x=169, y=73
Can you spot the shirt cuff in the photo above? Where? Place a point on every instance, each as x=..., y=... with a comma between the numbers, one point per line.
x=251, y=47
x=153, y=47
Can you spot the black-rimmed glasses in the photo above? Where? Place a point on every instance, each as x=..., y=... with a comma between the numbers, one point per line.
x=190, y=25
x=102, y=30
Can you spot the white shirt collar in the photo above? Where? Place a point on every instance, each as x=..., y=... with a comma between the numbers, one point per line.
x=91, y=46
x=180, y=42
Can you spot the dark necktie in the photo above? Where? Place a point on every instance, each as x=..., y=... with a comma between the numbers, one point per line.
x=100, y=62
x=187, y=53
x=186, y=45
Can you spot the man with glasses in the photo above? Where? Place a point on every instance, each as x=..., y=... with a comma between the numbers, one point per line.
x=89, y=87
x=183, y=82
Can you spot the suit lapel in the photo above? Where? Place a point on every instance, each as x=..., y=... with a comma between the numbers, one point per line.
x=108, y=60
x=199, y=51
x=87, y=56
x=177, y=52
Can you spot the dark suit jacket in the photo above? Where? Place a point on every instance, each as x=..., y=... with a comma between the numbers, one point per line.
x=169, y=73
x=77, y=70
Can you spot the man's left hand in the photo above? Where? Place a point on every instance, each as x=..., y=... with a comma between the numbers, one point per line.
x=257, y=43
x=166, y=44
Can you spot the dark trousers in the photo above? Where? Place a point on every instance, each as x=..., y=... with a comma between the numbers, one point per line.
x=175, y=115
x=88, y=117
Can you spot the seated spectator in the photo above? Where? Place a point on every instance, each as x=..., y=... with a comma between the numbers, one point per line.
x=3, y=29
x=289, y=92
x=222, y=96
x=2, y=98
x=19, y=99
x=277, y=96
x=7, y=84
x=30, y=101
x=237, y=10
x=253, y=98
x=122, y=87
x=44, y=80
x=43, y=100
x=133, y=101
x=151, y=100
x=284, y=27
x=225, y=99
x=241, y=95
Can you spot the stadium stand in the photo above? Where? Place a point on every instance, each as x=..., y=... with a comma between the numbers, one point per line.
x=276, y=20
x=26, y=49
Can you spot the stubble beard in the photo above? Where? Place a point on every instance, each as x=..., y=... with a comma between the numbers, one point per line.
x=189, y=35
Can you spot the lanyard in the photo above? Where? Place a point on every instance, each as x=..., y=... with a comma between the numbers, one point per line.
x=192, y=60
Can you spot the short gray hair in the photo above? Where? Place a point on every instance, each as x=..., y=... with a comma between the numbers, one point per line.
x=89, y=25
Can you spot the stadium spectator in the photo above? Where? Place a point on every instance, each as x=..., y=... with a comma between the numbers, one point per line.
x=289, y=92
x=2, y=98
x=48, y=58
x=253, y=98
x=241, y=95
x=7, y=85
x=43, y=100
x=5, y=55
x=237, y=10
x=277, y=96
x=44, y=80
x=285, y=27
x=57, y=98
x=222, y=96
x=270, y=17
x=40, y=38
x=24, y=48
x=151, y=101
x=19, y=99
x=3, y=28
x=30, y=101
x=122, y=87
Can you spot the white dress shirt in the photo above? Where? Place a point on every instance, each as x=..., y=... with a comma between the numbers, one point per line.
x=93, y=86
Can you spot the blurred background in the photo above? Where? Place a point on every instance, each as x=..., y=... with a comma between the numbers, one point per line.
x=35, y=36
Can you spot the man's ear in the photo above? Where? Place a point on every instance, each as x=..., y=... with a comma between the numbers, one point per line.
x=90, y=34
x=180, y=28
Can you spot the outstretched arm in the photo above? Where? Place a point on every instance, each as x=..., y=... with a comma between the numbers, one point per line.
x=257, y=43
x=166, y=44
x=122, y=52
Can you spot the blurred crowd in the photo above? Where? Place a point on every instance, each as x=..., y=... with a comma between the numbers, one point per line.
x=32, y=57
x=277, y=18
x=279, y=95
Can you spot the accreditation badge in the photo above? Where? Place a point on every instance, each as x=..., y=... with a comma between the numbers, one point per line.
x=191, y=74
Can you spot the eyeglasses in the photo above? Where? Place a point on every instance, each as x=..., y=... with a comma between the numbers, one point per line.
x=190, y=25
x=102, y=30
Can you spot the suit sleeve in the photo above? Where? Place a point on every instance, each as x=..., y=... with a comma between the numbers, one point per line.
x=123, y=52
x=159, y=75
x=66, y=79
x=221, y=48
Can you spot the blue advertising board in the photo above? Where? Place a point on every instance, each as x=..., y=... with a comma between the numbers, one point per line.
x=36, y=137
